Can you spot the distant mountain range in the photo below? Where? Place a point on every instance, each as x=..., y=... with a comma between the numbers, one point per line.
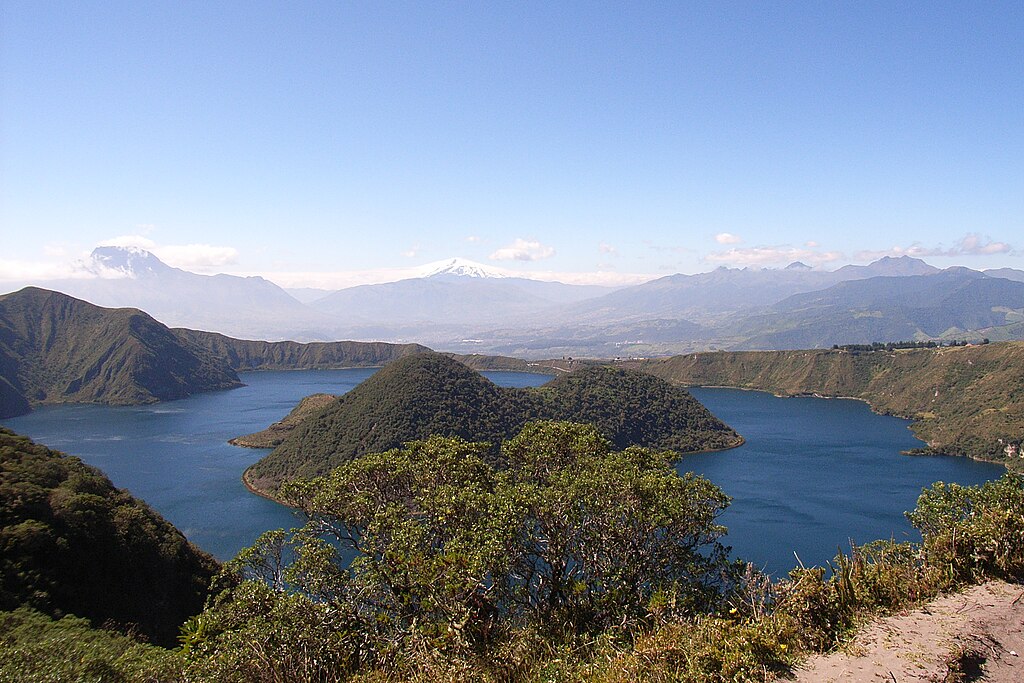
x=239, y=306
x=465, y=307
x=954, y=303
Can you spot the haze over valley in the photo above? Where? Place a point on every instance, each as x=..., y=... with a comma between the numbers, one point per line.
x=464, y=307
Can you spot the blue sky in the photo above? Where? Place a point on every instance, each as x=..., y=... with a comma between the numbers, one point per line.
x=328, y=143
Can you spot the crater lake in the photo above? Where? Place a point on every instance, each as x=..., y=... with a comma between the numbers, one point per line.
x=813, y=475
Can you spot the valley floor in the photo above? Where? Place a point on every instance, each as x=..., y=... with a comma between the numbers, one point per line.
x=985, y=622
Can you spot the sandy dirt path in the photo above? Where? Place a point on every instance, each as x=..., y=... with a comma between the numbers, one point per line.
x=986, y=621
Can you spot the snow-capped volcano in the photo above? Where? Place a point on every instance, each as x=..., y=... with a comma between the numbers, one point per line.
x=460, y=267
x=130, y=262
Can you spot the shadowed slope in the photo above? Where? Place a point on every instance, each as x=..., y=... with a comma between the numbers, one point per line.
x=71, y=543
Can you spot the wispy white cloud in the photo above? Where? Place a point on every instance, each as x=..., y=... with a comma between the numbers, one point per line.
x=727, y=238
x=202, y=257
x=27, y=272
x=195, y=257
x=974, y=244
x=523, y=250
x=772, y=256
x=971, y=244
x=138, y=241
x=606, y=248
x=412, y=251
x=811, y=244
x=473, y=239
x=916, y=250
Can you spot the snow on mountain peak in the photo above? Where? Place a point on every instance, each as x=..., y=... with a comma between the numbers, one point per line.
x=460, y=267
x=113, y=261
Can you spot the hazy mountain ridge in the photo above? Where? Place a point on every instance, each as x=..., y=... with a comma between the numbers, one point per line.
x=948, y=303
x=465, y=307
x=1006, y=273
x=726, y=290
x=247, y=355
x=57, y=349
x=240, y=306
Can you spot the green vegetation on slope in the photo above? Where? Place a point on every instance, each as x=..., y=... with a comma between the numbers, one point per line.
x=57, y=349
x=71, y=543
x=246, y=355
x=633, y=408
x=34, y=647
x=430, y=394
x=573, y=563
x=571, y=538
x=966, y=400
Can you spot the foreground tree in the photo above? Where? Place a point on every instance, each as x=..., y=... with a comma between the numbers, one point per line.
x=431, y=545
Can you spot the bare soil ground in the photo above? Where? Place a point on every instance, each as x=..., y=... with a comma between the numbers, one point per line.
x=977, y=635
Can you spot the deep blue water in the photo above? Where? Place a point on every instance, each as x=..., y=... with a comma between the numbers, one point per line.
x=176, y=457
x=813, y=474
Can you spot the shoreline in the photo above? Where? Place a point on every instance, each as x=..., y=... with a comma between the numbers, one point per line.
x=742, y=440
x=259, y=492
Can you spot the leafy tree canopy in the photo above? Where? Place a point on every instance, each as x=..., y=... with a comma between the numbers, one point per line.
x=572, y=536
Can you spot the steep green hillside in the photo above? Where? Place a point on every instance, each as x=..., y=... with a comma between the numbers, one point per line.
x=427, y=394
x=245, y=355
x=71, y=543
x=57, y=349
x=964, y=400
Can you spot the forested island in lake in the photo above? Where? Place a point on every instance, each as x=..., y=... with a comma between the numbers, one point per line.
x=431, y=394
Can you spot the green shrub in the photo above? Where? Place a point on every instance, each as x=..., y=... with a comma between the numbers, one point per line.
x=973, y=531
x=255, y=633
x=35, y=648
